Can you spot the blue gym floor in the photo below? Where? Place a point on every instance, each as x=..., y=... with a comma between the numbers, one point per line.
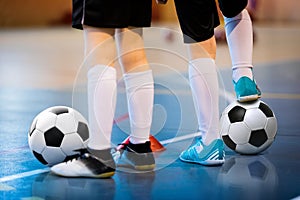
x=273, y=174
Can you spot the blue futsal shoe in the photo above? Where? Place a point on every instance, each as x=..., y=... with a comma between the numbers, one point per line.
x=246, y=89
x=212, y=154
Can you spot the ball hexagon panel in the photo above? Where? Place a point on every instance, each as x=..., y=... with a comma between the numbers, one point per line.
x=53, y=137
x=255, y=119
x=239, y=133
x=271, y=127
x=70, y=143
x=45, y=121
x=39, y=142
x=83, y=131
x=53, y=155
x=66, y=123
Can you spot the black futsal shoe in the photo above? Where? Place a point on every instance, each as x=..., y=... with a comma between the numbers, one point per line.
x=137, y=156
x=87, y=165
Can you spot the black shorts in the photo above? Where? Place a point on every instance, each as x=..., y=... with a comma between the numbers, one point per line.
x=197, y=19
x=231, y=8
x=111, y=13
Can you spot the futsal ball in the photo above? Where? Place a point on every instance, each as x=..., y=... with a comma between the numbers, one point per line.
x=248, y=128
x=55, y=133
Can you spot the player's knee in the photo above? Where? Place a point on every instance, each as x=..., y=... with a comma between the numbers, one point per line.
x=232, y=8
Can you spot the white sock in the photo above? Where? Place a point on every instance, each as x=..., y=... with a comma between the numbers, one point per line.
x=237, y=73
x=140, y=93
x=102, y=89
x=205, y=89
x=239, y=34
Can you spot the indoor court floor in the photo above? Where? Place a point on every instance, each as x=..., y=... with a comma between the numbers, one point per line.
x=39, y=67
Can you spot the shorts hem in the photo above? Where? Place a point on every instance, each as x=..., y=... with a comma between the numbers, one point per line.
x=80, y=26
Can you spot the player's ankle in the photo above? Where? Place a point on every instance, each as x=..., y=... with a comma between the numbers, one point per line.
x=140, y=148
x=240, y=72
x=104, y=155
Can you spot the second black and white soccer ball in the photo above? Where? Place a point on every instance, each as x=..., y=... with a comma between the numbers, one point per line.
x=56, y=133
x=248, y=128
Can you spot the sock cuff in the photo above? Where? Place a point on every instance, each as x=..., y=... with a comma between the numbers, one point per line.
x=102, y=72
x=202, y=66
x=244, y=15
x=138, y=79
x=242, y=65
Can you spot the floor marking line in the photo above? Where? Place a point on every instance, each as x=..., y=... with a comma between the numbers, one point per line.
x=181, y=138
x=14, y=150
x=23, y=175
x=4, y=187
x=280, y=96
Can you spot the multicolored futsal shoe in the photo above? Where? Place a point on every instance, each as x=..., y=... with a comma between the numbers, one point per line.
x=85, y=165
x=212, y=154
x=137, y=156
x=246, y=89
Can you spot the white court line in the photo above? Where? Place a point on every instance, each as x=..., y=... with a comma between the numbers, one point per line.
x=180, y=138
x=23, y=175
x=40, y=171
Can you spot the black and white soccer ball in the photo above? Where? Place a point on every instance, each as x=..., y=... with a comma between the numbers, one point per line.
x=55, y=133
x=248, y=128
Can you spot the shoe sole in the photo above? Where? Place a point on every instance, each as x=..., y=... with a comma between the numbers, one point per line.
x=206, y=162
x=103, y=175
x=248, y=98
x=106, y=175
x=136, y=167
x=144, y=167
x=124, y=162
